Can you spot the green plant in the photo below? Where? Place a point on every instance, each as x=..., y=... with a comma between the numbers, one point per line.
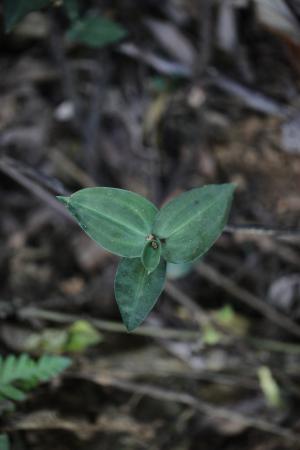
x=130, y=226
x=18, y=374
x=4, y=442
x=96, y=31
x=15, y=10
x=93, y=31
x=75, y=338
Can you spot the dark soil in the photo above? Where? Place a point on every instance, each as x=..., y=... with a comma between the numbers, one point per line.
x=226, y=110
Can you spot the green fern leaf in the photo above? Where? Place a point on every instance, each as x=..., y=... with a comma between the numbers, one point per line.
x=49, y=366
x=10, y=392
x=27, y=373
x=4, y=442
x=7, y=369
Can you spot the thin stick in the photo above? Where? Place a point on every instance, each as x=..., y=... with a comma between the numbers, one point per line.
x=274, y=346
x=6, y=166
x=106, y=325
x=248, y=298
x=257, y=230
x=253, y=99
x=180, y=297
x=187, y=399
x=70, y=168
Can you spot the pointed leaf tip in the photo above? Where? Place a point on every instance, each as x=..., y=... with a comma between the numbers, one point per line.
x=190, y=224
x=64, y=200
x=118, y=220
x=137, y=291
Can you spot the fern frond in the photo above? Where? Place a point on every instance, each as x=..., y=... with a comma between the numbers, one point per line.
x=49, y=366
x=11, y=392
x=24, y=370
x=4, y=442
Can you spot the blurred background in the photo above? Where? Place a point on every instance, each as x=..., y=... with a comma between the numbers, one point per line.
x=156, y=97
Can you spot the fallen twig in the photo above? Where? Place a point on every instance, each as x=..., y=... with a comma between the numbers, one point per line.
x=106, y=325
x=258, y=230
x=71, y=169
x=198, y=313
x=160, y=64
x=187, y=399
x=251, y=98
x=248, y=298
x=9, y=167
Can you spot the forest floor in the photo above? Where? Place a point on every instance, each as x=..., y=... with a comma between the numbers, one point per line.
x=187, y=99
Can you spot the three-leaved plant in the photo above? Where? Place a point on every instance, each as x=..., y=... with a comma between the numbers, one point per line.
x=146, y=238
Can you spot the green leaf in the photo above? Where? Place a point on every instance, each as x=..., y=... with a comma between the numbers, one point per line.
x=82, y=335
x=76, y=338
x=229, y=320
x=118, y=220
x=96, y=32
x=27, y=372
x=72, y=9
x=137, y=291
x=151, y=255
x=49, y=340
x=12, y=393
x=210, y=335
x=15, y=10
x=4, y=442
x=49, y=366
x=269, y=386
x=7, y=369
x=189, y=225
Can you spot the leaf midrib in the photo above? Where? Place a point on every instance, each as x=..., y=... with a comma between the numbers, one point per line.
x=185, y=223
x=98, y=213
x=140, y=285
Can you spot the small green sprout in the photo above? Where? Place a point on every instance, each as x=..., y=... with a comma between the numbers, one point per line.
x=130, y=226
